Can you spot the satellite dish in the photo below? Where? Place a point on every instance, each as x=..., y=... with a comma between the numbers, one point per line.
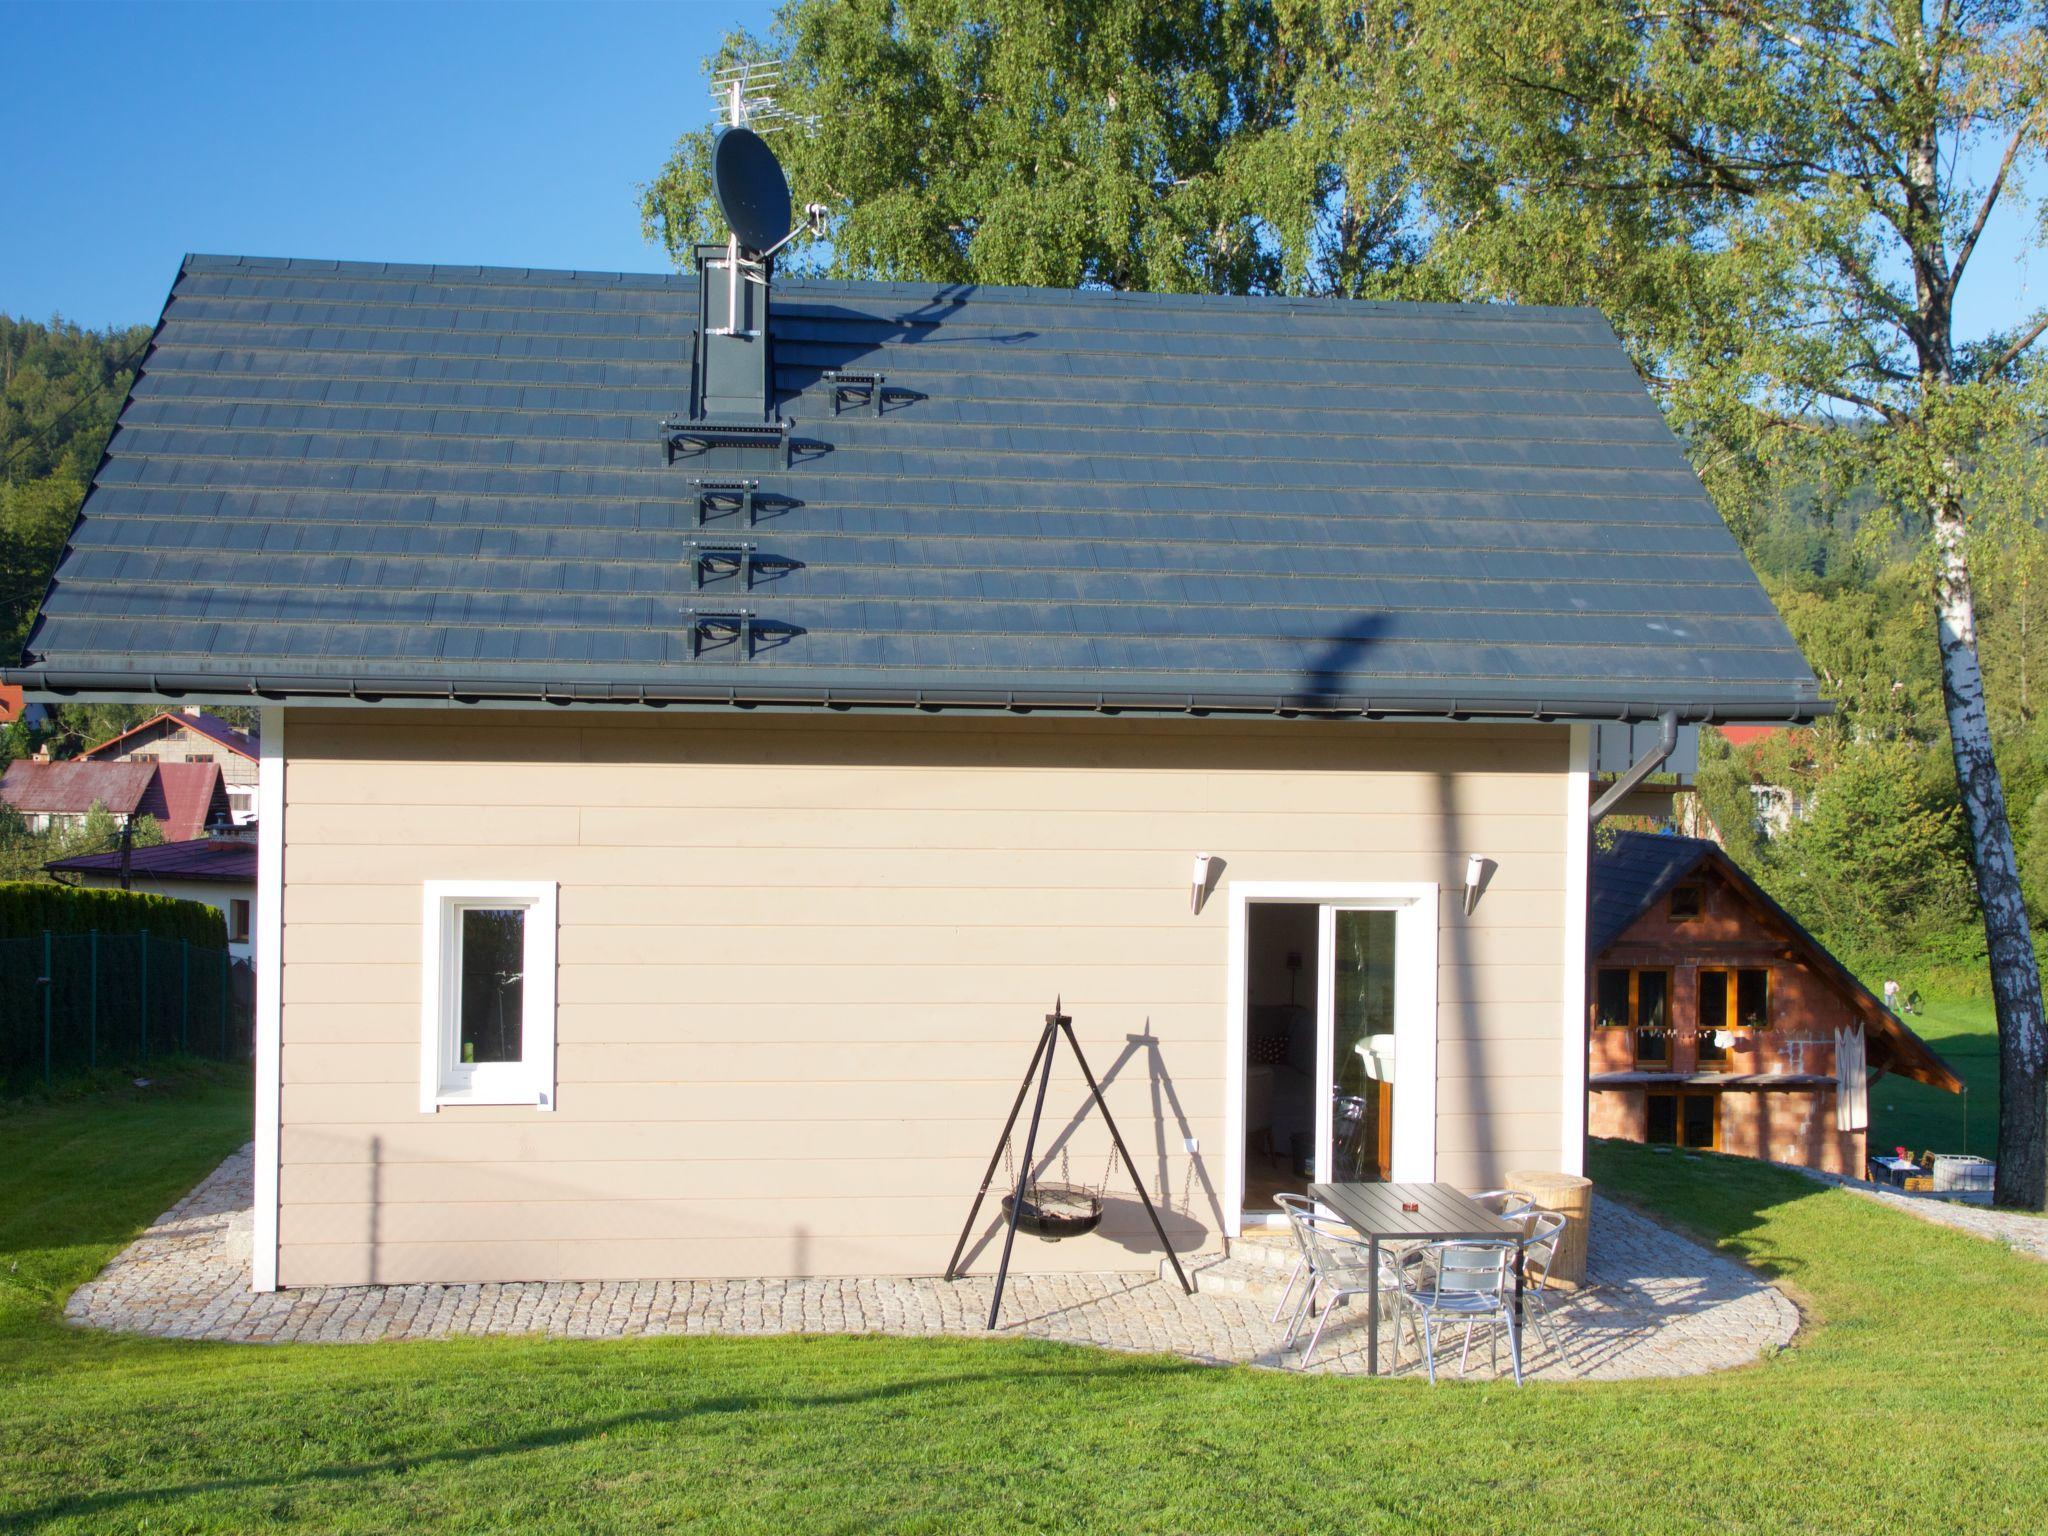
x=752, y=192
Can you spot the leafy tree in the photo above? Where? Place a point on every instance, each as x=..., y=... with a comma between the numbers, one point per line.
x=1870, y=644
x=2034, y=857
x=1792, y=176
x=23, y=853
x=61, y=386
x=1185, y=146
x=1879, y=858
x=1770, y=199
x=79, y=726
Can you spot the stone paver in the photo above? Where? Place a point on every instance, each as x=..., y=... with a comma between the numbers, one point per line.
x=2016, y=1230
x=1655, y=1304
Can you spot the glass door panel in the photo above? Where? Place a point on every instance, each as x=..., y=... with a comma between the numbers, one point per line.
x=1357, y=1059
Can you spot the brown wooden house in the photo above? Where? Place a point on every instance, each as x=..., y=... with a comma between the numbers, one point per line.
x=1715, y=1016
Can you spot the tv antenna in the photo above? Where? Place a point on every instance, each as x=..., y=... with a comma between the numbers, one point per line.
x=746, y=94
x=747, y=179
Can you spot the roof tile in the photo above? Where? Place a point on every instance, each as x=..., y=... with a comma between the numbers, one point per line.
x=337, y=472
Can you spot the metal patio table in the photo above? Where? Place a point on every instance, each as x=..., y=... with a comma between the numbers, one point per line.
x=1441, y=1212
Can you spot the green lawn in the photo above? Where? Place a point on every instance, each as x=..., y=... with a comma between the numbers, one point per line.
x=1915, y=1402
x=1904, y=1113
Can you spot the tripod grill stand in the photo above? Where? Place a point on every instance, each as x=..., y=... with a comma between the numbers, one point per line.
x=1057, y=1024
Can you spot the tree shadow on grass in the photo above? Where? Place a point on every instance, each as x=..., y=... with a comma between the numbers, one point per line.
x=565, y=1435
x=1717, y=1200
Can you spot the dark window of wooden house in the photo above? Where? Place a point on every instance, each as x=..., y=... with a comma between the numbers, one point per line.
x=1611, y=1009
x=1653, y=1017
x=1753, y=999
x=1697, y=1118
x=1640, y=1001
x=1661, y=1119
x=1682, y=1119
x=1714, y=1017
x=1730, y=1000
x=493, y=988
x=1687, y=902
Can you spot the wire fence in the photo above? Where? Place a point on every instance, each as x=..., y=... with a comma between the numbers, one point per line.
x=76, y=1002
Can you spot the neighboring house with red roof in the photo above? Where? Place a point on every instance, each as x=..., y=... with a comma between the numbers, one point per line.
x=191, y=736
x=220, y=871
x=1778, y=805
x=1750, y=735
x=183, y=797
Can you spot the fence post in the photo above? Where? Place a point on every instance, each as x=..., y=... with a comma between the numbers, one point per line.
x=92, y=1009
x=49, y=986
x=223, y=1005
x=143, y=971
x=184, y=996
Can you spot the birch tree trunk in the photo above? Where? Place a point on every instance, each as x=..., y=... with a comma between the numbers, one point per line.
x=2015, y=977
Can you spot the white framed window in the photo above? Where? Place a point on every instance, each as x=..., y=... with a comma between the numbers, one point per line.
x=487, y=993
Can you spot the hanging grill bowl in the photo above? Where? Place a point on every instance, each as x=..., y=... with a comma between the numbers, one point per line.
x=1054, y=1211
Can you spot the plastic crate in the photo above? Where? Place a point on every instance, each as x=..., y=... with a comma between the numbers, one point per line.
x=1960, y=1174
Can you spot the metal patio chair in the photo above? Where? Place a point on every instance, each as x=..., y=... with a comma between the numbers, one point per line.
x=1473, y=1283
x=1342, y=1268
x=1539, y=1252
x=1505, y=1203
x=1302, y=1213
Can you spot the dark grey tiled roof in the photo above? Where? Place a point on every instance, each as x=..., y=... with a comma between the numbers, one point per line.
x=1629, y=873
x=450, y=481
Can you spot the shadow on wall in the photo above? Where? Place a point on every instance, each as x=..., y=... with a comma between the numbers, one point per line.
x=376, y=1213
x=1333, y=672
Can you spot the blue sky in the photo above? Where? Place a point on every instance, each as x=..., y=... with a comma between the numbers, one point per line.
x=507, y=134
x=512, y=135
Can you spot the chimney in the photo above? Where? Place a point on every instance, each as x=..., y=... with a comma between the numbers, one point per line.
x=731, y=374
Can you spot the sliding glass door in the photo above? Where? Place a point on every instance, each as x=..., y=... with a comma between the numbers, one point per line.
x=1356, y=1065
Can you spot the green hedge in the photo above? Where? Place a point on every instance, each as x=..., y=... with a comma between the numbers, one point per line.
x=28, y=909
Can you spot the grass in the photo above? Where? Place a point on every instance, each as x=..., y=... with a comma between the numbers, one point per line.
x=1903, y=1113
x=1915, y=1401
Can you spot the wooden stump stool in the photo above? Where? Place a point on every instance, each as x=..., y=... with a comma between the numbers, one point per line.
x=1572, y=1197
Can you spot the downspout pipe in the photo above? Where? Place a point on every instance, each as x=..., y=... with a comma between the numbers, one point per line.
x=1640, y=769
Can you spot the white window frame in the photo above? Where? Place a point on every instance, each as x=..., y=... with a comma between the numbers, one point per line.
x=443, y=1079
x=1416, y=907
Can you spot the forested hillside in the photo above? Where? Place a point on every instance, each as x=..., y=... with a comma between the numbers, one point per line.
x=61, y=386
x=1876, y=862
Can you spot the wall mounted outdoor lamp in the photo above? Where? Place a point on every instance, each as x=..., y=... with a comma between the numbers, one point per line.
x=1478, y=870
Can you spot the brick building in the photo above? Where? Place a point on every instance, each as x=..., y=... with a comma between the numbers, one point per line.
x=1716, y=1019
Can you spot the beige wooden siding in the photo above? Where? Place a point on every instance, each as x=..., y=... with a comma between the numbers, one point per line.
x=803, y=961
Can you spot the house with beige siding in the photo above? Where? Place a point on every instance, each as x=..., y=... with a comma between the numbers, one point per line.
x=704, y=732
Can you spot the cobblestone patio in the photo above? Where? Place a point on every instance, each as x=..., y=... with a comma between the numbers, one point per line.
x=1655, y=1304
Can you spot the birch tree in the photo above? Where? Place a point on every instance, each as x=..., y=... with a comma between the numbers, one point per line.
x=1809, y=183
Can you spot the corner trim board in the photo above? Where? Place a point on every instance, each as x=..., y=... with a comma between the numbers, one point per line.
x=1578, y=789
x=270, y=809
